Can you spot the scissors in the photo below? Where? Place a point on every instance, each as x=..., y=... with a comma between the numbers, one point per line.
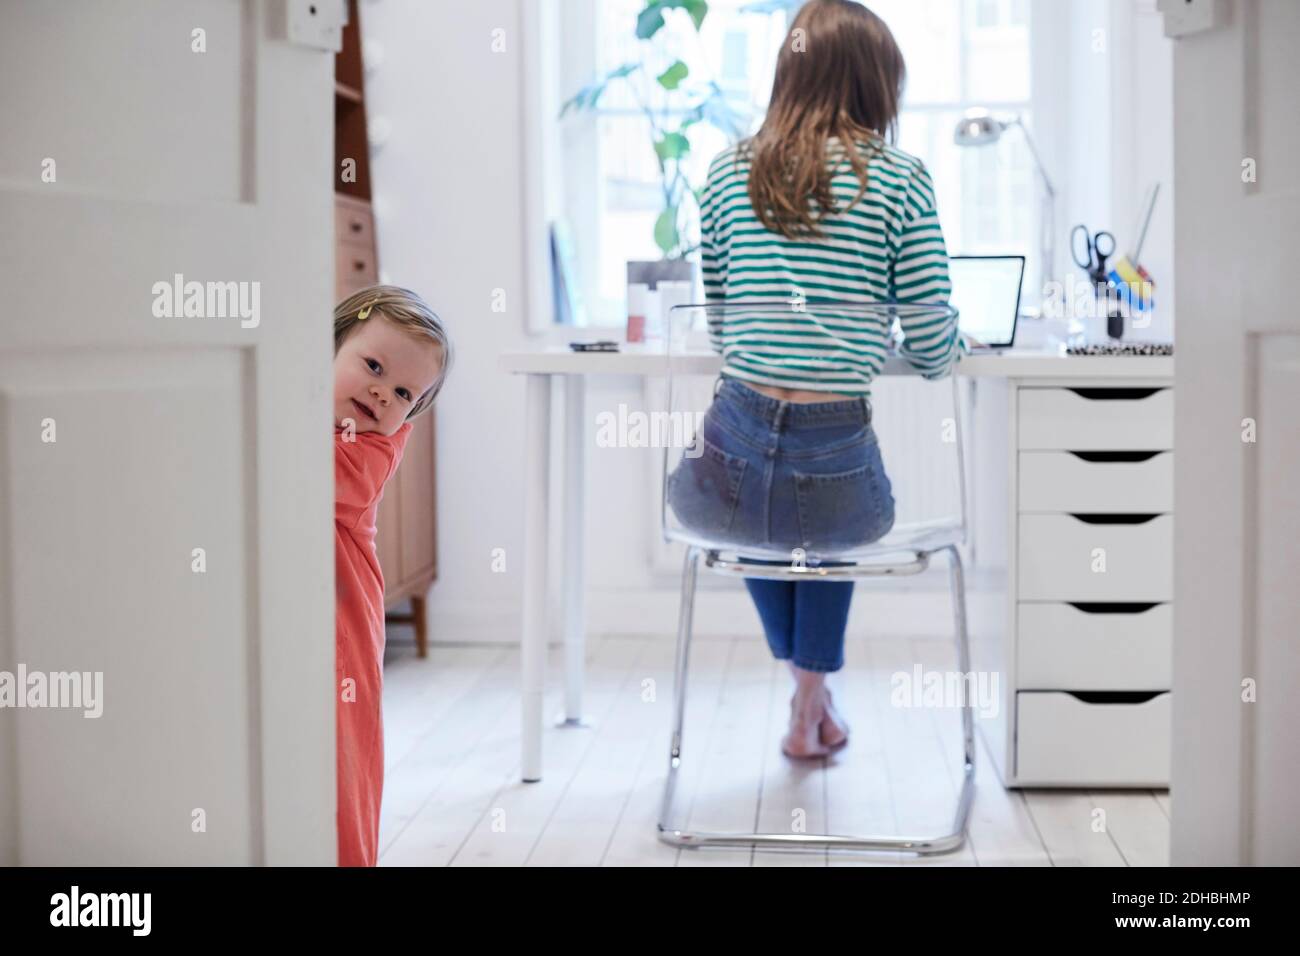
x=1094, y=258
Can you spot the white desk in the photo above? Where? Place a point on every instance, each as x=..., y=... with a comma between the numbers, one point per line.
x=1023, y=367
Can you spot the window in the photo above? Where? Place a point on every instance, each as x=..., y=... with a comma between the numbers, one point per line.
x=962, y=54
x=959, y=53
x=613, y=198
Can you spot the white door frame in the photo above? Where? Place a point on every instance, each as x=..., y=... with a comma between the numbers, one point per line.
x=1236, y=765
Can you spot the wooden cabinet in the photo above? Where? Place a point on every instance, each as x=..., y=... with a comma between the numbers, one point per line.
x=407, y=533
x=406, y=536
x=356, y=263
x=417, y=530
x=356, y=256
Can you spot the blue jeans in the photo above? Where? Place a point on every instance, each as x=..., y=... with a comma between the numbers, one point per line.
x=779, y=476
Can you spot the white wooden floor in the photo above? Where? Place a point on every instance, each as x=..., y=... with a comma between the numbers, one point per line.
x=453, y=796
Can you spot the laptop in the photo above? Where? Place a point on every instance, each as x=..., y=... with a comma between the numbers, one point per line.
x=986, y=293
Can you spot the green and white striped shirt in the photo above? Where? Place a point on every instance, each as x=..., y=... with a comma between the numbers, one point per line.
x=886, y=248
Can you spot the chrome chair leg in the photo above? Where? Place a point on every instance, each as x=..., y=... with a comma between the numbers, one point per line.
x=957, y=587
x=690, y=573
x=921, y=845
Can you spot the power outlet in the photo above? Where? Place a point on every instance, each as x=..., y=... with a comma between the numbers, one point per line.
x=317, y=23
x=1186, y=17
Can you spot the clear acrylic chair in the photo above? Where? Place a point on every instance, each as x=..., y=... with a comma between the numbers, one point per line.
x=930, y=518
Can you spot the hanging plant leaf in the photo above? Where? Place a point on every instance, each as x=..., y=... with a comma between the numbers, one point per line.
x=651, y=19
x=672, y=146
x=694, y=113
x=717, y=110
x=589, y=96
x=698, y=10
x=672, y=77
x=666, y=230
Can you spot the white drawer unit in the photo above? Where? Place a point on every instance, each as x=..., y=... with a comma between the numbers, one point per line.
x=1083, y=638
x=1092, y=739
x=1097, y=481
x=1094, y=646
x=1080, y=557
x=1096, y=419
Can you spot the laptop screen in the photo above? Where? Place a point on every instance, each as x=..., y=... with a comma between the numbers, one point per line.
x=986, y=291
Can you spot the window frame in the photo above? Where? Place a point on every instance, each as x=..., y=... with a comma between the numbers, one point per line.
x=560, y=28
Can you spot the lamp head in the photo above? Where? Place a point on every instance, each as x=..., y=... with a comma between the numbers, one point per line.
x=977, y=127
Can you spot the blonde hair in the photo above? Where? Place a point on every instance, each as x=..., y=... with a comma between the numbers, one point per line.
x=406, y=310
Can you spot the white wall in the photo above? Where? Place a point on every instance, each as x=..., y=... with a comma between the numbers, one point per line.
x=1103, y=91
x=449, y=194
x=1142, y=130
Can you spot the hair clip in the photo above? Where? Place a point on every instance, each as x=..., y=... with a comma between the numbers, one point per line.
x=365, y=310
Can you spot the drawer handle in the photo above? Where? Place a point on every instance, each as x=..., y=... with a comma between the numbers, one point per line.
x=359, y=265
x=355, y=226
x=1116, y=455
x=1115, y=696
x=1113, y=607
x=1106, y=394
x=1114, y=518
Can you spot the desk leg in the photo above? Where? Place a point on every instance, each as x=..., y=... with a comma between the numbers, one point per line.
x=532, y=649
x=575, y=612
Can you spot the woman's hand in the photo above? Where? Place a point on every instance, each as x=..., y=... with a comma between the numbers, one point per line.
x=970, y=339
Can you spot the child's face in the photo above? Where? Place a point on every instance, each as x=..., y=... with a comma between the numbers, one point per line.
x=380, y=371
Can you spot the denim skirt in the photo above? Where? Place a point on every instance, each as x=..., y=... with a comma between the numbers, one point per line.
x=775, y=476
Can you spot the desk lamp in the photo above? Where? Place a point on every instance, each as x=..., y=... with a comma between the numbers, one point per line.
x=979, y=127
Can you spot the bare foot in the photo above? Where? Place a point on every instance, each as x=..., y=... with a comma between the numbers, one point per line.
x=834, y=731
x=803, y=739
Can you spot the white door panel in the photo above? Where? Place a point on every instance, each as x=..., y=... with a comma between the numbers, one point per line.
x=172, y=433
x=138, y=99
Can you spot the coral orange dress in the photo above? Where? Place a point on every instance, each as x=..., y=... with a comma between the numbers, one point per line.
x=361, y=469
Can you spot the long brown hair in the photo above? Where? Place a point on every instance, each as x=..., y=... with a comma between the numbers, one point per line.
x=839, y=73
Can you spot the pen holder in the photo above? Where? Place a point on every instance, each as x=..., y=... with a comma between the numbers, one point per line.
x=1109, y=315
x=1087, y=321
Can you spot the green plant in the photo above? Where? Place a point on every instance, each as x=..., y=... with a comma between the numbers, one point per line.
x=688, y=100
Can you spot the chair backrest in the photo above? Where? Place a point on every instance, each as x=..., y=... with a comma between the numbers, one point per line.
x=916, y=420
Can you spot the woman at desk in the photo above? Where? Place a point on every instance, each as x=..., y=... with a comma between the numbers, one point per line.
x=816, y=205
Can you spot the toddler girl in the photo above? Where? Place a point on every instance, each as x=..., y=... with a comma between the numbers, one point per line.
x=391, y=355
